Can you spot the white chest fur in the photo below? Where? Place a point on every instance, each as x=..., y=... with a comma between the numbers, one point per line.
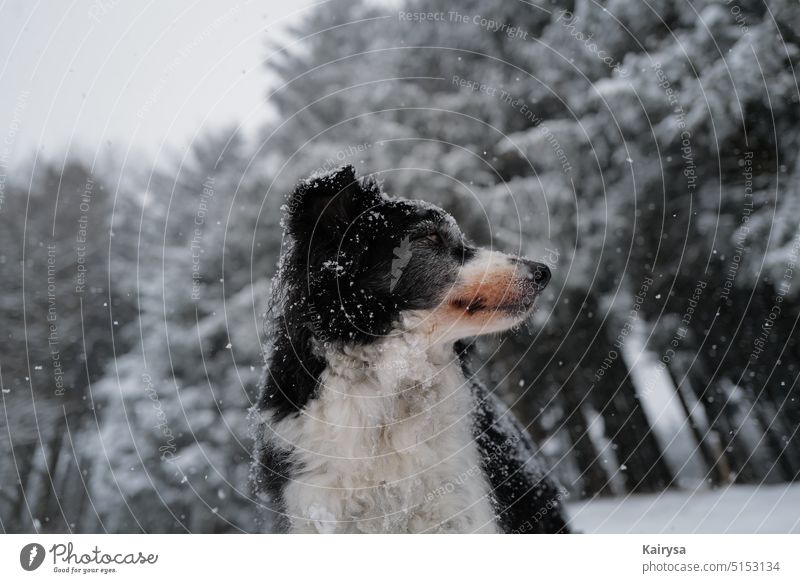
x=387, y=446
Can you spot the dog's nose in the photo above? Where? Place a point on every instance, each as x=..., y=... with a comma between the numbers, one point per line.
x=538, y=273
x=541, y=275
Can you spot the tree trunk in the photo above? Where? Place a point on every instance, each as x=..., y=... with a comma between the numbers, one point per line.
x=629, y=431
x=713, y=456
x=23, y=520
x=47, y=508
x=720, y=417
x=594, y=479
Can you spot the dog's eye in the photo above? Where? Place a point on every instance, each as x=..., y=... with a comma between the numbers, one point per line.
x=433, y=237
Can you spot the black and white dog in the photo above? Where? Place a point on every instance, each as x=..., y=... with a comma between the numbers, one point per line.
x=369, y=419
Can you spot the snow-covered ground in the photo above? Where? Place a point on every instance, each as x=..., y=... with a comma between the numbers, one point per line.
x=736, y=509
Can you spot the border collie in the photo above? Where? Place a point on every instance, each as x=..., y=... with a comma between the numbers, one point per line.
x=369, y=419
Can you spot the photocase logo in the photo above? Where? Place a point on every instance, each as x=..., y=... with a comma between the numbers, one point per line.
x=31, y=556
x=402, y=255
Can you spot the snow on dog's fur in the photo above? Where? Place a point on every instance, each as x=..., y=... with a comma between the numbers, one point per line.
x=369, y=419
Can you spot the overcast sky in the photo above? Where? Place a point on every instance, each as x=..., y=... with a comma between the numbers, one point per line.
x=109, y=73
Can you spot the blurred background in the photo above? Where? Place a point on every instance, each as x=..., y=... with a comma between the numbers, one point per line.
x=647, y=151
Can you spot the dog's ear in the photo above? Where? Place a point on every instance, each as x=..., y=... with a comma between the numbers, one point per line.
x=325, y=205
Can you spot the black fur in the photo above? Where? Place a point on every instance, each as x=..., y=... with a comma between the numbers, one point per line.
x=336, y=284
x=334, y=281
x=525, y=498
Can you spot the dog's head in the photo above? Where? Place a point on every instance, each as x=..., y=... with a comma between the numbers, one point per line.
x=360, y=262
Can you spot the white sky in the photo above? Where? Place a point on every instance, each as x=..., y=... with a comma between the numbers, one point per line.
x=106, y=74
